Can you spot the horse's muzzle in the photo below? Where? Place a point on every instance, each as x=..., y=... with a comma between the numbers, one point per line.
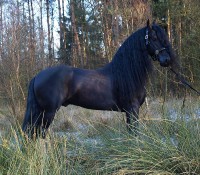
x=164, y=61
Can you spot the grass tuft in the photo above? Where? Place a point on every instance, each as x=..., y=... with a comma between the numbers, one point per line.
x=166, y=145
x=19, y=155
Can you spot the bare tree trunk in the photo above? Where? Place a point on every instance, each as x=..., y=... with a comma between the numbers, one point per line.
x=1, y=30
x=30, y=44
x=49, y=32
x=107, y=20
x=169, y=25
x=77, y=46
x=115, y=23
x=33, y=42
x=41, y=32
x=63, y=17
x=61, y=31
x=52, y=25
x=29, y=18
x=32, y=20
x=180, y=36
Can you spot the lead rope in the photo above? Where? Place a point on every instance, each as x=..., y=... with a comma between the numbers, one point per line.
x=184, y=82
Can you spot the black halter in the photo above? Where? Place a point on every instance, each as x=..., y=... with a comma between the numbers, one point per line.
x=156, y=52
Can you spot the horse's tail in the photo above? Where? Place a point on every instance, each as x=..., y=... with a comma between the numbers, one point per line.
x=32, y=108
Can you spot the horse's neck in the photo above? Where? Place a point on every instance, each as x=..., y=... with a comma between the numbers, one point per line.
x=106, y=69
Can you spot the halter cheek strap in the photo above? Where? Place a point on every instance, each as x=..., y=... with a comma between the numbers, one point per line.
x=156, y=52
x=147, y=38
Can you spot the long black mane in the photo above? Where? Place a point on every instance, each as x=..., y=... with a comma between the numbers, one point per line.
x=131, y=65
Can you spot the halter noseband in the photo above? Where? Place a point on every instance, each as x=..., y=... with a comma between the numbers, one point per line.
x=156, y=52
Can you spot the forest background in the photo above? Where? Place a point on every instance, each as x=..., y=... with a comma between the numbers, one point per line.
x=87, y=35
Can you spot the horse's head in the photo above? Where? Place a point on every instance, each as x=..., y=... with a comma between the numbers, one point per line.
x=158, y=45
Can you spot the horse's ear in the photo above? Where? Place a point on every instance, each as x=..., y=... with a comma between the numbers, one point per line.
x=148, y=24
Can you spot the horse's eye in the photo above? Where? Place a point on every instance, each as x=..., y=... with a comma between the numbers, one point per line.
x=165, y=42
x=154, y=36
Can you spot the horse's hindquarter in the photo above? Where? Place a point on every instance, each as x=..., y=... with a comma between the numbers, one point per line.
x=92, y=89
x=51, y=86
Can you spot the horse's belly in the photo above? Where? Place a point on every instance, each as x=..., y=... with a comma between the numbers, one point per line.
x=92, y=100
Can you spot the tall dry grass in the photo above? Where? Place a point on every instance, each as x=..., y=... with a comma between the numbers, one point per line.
x=168, y=143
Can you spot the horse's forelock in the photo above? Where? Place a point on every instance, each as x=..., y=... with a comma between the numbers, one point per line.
x=161, y=34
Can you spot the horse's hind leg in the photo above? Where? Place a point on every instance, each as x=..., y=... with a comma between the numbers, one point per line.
x=46, y=120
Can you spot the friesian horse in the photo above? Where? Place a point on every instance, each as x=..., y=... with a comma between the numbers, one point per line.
x=118, y=86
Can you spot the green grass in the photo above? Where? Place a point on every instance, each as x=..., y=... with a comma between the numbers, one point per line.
x=19, y=155
x=165, y=145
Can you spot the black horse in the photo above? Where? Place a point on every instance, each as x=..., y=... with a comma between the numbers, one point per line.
x=118, y=86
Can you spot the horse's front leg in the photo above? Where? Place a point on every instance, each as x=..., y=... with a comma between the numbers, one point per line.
x=132, y=115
